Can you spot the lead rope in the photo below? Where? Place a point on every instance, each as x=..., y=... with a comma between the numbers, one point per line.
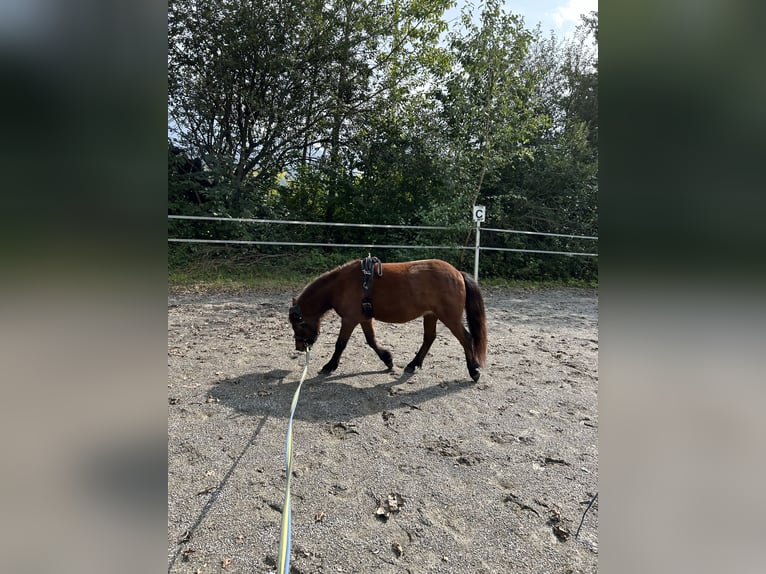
x=285, y=531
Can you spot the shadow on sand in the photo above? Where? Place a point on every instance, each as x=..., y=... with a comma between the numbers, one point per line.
x=332, y=397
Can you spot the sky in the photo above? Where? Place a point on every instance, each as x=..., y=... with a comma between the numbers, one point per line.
x=559, y=16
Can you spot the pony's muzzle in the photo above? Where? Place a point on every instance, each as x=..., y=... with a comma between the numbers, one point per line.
x=300, y=345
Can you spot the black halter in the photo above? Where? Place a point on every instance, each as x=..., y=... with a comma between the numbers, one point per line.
x=308, y=333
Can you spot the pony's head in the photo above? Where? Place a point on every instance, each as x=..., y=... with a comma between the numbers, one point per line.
x=305, y=329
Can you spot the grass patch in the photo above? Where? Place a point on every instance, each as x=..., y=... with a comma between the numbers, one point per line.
x=222, y=269
x=228, y=276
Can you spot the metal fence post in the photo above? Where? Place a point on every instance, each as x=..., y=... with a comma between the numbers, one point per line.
x=479, y=213
x=476, y=256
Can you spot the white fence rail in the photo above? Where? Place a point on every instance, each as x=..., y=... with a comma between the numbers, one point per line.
x=289, y=222
x=476, y=248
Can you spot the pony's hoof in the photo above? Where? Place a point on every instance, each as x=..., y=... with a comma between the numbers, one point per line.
x=326, y=370
x=475, y=376
x=409, y=368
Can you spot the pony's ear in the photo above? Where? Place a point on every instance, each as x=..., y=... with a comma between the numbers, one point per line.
x=294, y=301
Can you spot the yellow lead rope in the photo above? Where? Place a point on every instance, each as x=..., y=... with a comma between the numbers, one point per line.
x=285, y=531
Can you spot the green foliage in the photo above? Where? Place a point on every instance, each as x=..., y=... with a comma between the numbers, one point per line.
x=354, y=111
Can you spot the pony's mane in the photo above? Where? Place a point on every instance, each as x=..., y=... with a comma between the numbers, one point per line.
x=321, y=281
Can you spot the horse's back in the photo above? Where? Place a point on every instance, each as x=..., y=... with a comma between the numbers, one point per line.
x=408, y=290
x=423, y=271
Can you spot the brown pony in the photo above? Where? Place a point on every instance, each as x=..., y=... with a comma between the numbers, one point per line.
x=431, y=289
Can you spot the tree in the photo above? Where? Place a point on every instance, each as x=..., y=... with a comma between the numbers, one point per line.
x=581, y=72
x=553, y=187
x=258, y=88
x=380, y=57
x=356, y=110
x=243, y=82
x=485, y=98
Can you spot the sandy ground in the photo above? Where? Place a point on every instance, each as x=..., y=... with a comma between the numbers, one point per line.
x=493, y=476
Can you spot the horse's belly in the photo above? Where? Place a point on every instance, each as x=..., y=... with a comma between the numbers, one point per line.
x=401, y=316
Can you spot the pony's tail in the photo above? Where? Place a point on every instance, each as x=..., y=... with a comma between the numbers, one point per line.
x=477, y=319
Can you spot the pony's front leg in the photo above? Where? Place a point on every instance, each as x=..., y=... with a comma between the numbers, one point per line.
x=346, y=328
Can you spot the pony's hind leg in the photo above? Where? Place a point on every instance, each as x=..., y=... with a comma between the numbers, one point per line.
x=466, y=339
x=369, y=335
x=429, y=334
